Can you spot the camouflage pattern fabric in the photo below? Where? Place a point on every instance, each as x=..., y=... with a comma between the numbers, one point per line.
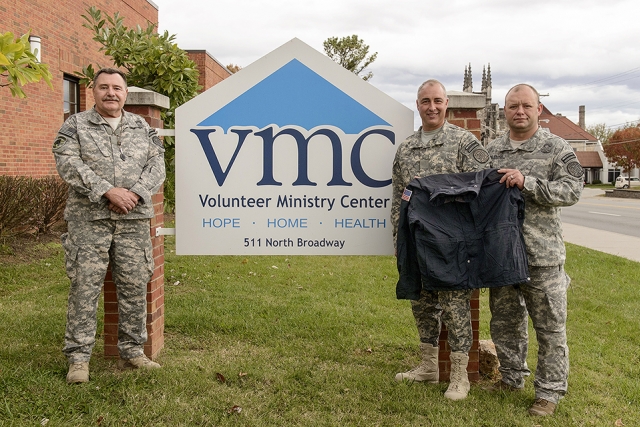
x=553, y=178
x=451, y=150
x=88, y=159
x=450, y=307
x=545, y=300
x=89, y=246
x=92, y=159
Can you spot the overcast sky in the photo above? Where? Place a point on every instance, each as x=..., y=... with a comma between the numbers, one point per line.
x=579, y=52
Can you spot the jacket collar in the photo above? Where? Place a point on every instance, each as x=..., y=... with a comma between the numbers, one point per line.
x=96, y=119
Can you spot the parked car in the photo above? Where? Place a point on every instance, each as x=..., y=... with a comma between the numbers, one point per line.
x=625, y=182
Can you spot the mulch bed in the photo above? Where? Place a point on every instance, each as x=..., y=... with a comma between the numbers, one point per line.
x=27, y=248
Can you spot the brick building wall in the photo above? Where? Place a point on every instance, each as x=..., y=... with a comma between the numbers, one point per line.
x=28, y=126
x=211, y=71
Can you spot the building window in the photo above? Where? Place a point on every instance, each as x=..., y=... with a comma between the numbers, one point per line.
x=613, y=174
x=71, y=91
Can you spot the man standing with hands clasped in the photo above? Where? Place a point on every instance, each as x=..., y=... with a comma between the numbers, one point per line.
x=546, y=170
x=438, y=147
x=113, y=162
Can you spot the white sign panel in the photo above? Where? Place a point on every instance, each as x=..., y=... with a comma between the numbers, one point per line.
x=291, y=155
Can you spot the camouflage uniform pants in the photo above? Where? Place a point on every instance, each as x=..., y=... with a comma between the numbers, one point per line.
x=89, y=247
x=545, y=300
x=450, y=307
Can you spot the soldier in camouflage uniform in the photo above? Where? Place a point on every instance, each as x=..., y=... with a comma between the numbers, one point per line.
x=547, y=171
x=113, y=162
x=438, y=147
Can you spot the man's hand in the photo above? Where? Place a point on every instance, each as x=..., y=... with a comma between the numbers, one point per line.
x=121, y=200
x=512, y=178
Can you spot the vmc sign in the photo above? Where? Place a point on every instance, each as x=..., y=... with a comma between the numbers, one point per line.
x=291, y=155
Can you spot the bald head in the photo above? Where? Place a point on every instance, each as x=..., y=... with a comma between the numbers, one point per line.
x=432, y=82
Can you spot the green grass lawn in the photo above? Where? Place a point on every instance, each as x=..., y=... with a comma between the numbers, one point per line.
x=301, y=341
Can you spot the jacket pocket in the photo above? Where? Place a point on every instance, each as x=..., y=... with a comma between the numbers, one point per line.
x=443, y=263
x=96, y=143
x=135, y=146
x=70, y=256
x=148, y=255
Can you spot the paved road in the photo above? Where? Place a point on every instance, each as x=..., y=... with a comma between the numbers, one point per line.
x=610, y=225
x=605, y=213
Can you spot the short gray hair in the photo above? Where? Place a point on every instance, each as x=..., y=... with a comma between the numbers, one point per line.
x=518, y=87
x=432, y=82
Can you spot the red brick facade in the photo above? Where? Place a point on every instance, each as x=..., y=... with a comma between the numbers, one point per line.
x=211, y=71
x=466, y=118
x=28, y=126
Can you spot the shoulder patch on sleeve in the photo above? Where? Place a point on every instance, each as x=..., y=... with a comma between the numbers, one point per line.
x=156, y=140
x=481, y=156
x=59, y=142
x=153, y=134
x=68, y=130
x=406, y=194
x=471, y=146
x=568, y=157
x=575, y=169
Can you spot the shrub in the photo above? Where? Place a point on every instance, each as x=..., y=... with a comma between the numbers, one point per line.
x=30, y=205
x=16, y=207
x=52, y=201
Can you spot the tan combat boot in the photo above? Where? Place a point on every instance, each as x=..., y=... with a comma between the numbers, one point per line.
x=137, y=362
x=459, y=385
x=542, y=408
x=427, y=370
x=78, y=373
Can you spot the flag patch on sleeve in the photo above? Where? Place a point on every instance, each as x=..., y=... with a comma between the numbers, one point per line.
x=406, y=194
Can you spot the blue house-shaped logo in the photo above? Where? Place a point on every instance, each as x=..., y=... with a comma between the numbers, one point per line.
x=295, y=95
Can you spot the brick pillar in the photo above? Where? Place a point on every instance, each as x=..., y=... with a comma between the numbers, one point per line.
x=463, y=112
x=148, y=105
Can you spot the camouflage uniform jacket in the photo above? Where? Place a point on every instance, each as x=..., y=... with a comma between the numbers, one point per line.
x=90, y=161
x=452, y=150
x=553, y=178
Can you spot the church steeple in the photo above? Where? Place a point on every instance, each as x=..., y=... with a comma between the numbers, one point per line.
x=464, y=80
x=467, y=86
x=484, y=79
x=488, y=88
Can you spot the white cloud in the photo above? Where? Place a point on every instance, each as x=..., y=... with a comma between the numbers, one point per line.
x=556, y=46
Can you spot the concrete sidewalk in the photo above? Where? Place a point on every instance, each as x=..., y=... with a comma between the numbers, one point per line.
x=603, y=241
